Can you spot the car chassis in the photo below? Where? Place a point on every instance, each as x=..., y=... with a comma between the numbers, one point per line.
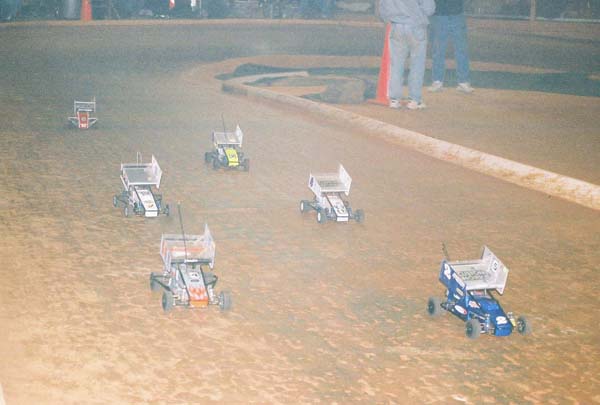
x=329, y=201
x=137, y=196
x=183, y=280
x=227, y=151
x=468, y=296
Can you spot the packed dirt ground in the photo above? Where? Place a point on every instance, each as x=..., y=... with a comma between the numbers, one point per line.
x=330, y=313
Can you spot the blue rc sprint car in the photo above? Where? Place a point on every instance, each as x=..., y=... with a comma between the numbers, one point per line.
x=468, y=296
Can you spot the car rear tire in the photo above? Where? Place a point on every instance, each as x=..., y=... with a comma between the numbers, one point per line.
x=433, y=306
x=225, y=301
x=523, y=326
x=303, y=206
x=359, y=215
x=215, y=163
x=321, y=216
x=473, y=328
x=246, y=165
x=154, y=285
x=167, y=301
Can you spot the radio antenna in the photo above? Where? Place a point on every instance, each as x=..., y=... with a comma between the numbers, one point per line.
x=446, y=255
x=182, y=230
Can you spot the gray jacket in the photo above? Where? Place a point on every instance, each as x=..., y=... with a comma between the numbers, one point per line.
x=409, y=12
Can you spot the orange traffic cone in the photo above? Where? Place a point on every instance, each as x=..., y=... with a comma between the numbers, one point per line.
x=383, y=83
x=86, y=10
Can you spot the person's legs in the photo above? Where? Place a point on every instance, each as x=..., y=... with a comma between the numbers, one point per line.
x=327, y=8
x=458, y=30
x=418, y=53
x=305, y=8
x=399, y=48
x=439, y=33
x=8, y=9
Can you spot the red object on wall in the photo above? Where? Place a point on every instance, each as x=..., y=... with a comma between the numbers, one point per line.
x=86, y=10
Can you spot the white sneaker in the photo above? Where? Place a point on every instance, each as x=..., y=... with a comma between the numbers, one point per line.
x=395, y=103
x=465, y=88
x=413, y=105
x=435, y=87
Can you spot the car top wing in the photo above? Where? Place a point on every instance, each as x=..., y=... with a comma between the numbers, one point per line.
x=141, y=174
x=336, y=182
x=175, y=248
x=486, y=273
x=229, y=138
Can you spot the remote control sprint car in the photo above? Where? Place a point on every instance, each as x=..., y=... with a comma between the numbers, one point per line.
x=227, y=151
x=329, y=201
x=469, y=286
x=184, y=281
x=137, y=196
x=82, y=111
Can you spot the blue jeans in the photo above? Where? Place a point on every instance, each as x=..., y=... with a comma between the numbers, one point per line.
x=454, y=27
x=9, y=9
x=327, y=8
x=407, y=40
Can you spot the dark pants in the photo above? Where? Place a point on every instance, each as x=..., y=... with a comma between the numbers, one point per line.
x=9, y=9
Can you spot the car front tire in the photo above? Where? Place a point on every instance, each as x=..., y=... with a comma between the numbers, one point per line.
x=473, y=328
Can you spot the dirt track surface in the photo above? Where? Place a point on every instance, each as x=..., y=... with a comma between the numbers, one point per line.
x=332, y=313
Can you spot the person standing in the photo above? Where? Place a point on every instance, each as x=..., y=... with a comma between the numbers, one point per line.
x=449, y=22
x=408, y=37
x=9, y=9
